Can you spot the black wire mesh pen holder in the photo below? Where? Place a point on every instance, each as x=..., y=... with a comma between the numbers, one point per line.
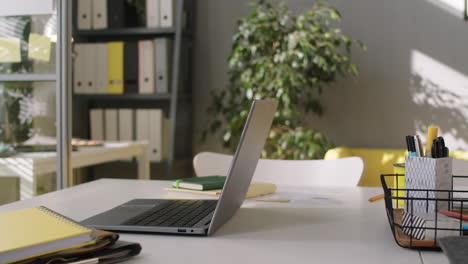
x=421, y=230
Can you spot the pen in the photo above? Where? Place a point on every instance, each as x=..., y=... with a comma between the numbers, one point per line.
x=454, y=215
x=417, y=146
x=408, y=145
x=274, y=200
x=413, y=146
x=421, y=150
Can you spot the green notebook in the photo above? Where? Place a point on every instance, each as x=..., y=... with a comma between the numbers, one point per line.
x=201, y=183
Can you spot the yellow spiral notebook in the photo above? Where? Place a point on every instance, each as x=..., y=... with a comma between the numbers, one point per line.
x=36, y=231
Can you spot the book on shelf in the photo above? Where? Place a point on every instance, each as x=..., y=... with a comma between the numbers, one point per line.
x=125, y=124
x=96, y=121
x=116, y=13
x=163, y=58
x=146, y=67
x=111, y=127
x=131, y=67
x=99, y=11
x=102, y=14
x=153, y=127
x=115, y=74
x=84, y=16
x=166, y=13
x=152, y=13
x=101, y=68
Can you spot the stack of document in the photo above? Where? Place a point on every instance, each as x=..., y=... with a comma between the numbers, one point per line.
x=127, y=124
x=101, y=14
x=123, y=67
x=40, y=235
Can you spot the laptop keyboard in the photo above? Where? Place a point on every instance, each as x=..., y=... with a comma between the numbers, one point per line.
x=175, y=213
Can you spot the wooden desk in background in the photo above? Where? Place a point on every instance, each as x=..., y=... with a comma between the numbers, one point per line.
x=31, y=166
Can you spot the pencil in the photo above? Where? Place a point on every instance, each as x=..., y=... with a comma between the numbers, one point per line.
x=274, y=200
x=376, y=198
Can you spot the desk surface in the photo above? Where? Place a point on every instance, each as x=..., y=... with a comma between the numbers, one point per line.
x=319, y=225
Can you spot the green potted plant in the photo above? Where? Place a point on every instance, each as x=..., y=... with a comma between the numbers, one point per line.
x=290, y=59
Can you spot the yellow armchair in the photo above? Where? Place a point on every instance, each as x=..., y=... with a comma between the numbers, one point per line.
x=376, y=161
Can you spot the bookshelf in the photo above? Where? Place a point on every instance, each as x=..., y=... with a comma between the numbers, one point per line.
x=176, y=104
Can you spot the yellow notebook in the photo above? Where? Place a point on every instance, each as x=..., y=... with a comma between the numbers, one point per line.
x=36, y=231
x=255, y=189
x=115, y=66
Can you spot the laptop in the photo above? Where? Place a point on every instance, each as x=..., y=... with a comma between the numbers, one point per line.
x=197, y=217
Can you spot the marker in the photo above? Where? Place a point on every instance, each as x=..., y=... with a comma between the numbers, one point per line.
x=376, y=198
x=431, y=135
x=465, y=229
x=421, y=150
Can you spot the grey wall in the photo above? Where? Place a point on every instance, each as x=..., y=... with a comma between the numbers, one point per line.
x=414, y=73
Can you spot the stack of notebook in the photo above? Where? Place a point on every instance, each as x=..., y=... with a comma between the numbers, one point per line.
x=40, y=235
x=213, y=185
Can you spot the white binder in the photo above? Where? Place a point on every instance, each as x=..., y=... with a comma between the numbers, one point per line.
x=152, y=13
x=125, y=124
x=155, y=134
x=167, y=13
x=142, y=126
x=99, y=11
x=79, y=68
x=111, y=127
x=146, y=67
x=89, y=68
x=96, y=120
x=84, y=15
x=163, y=56
x=100, y=61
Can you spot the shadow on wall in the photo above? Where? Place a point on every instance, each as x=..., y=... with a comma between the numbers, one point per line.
x=414, y=74
x=440, y=94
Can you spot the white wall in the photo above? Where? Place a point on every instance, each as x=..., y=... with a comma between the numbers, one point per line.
x=414, y=73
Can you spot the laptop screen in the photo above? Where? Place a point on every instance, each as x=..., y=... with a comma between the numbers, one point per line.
x=256, y=129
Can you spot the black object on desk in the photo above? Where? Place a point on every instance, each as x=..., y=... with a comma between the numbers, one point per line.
x=455, y=248
x=439, y=150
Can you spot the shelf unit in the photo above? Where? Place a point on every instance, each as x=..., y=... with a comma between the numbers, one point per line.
x=176, y=105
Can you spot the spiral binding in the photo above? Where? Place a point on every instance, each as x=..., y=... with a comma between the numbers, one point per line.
x=63, y=218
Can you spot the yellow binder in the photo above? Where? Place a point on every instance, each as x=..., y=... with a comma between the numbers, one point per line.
x=115, y=64
x=37, y=231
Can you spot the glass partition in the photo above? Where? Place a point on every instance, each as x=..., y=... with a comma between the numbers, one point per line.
x=27, y=44
x=28, y=91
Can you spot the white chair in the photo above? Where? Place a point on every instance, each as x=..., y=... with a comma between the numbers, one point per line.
x=338, y=172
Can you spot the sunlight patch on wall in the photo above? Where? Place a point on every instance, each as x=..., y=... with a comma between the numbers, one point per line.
x=441, y=94
x=455, y=7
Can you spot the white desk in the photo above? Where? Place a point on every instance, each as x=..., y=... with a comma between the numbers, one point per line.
x=29, y=166
x=319, y=225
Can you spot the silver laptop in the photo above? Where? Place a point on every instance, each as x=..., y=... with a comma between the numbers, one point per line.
x=197, y=217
